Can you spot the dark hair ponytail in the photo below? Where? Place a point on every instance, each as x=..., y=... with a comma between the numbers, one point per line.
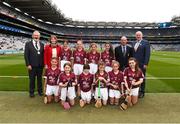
x=111, y=51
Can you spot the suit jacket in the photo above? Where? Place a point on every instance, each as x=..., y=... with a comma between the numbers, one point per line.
x=142, y=54
x=31, y=55
x=123, y=60
x=48, y=54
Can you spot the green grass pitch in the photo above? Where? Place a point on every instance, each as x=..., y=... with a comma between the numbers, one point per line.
x=18, y=108
x=160, y=105
x=162, y=64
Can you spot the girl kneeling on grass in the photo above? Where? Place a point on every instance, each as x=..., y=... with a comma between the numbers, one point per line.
x=101, y=77
x=115, y=84
x=67, y=83
x=133, y=77
x=51, y=86
x=85, y=85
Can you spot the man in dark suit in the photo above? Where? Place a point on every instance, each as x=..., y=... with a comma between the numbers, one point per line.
x=141, y=52
x=33, y=54
x=123, y=52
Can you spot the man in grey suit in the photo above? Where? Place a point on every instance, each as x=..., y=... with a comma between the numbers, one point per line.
x=123, y=52
x=141, y=51
x=33, y=55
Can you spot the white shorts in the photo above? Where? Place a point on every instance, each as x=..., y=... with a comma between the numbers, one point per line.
x=134, y=91
x=70, y=93
x=108, y=69
x=103, y=94
x=86, y=96
x=114, y=93
x=78, y=69
x=52, y=90
x=62, y=64
x=93, y=68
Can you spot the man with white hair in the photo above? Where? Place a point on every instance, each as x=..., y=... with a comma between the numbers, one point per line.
x=33, y=55
x=141, y=51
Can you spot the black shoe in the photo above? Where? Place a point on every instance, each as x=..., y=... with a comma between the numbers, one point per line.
x=141, y=95
x=31, y=95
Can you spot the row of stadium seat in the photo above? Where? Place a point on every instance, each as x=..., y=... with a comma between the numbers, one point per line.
x=89, y=31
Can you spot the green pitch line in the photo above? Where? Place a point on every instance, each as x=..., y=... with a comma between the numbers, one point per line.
x=148, y=78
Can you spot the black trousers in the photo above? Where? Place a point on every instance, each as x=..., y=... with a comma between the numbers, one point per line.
x=35, y=72
x=143, y=85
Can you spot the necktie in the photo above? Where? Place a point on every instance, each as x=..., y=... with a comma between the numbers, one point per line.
x=124, y=50
x=136, y=46
x=36, y=45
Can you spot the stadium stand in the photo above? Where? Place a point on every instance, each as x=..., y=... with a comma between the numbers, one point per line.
x=23, y=17
x=12, y=44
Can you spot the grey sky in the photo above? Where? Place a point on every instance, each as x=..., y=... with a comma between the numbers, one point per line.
x=120, y=10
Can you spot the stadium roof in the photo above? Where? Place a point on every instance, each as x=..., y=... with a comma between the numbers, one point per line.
x=40, y=9
x=45, y=11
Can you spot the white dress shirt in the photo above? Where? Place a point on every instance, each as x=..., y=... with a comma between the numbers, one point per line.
x=38, y=45
x=137, y=45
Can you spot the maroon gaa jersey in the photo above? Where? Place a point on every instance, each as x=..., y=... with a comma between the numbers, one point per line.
x=52, y=76
x=106, y=58
x=102, y=83
x=64, y=78
x=116, y=79
x=85, y=82
x=93, y=57
x=79, y=56
x=130, y=75
x=66, y=54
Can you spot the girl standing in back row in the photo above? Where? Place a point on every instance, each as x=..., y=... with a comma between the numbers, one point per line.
x=93, y=58
x=66, y=54
x=107, y=56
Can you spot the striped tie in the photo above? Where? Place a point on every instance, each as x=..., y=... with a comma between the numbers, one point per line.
x=36, y=45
